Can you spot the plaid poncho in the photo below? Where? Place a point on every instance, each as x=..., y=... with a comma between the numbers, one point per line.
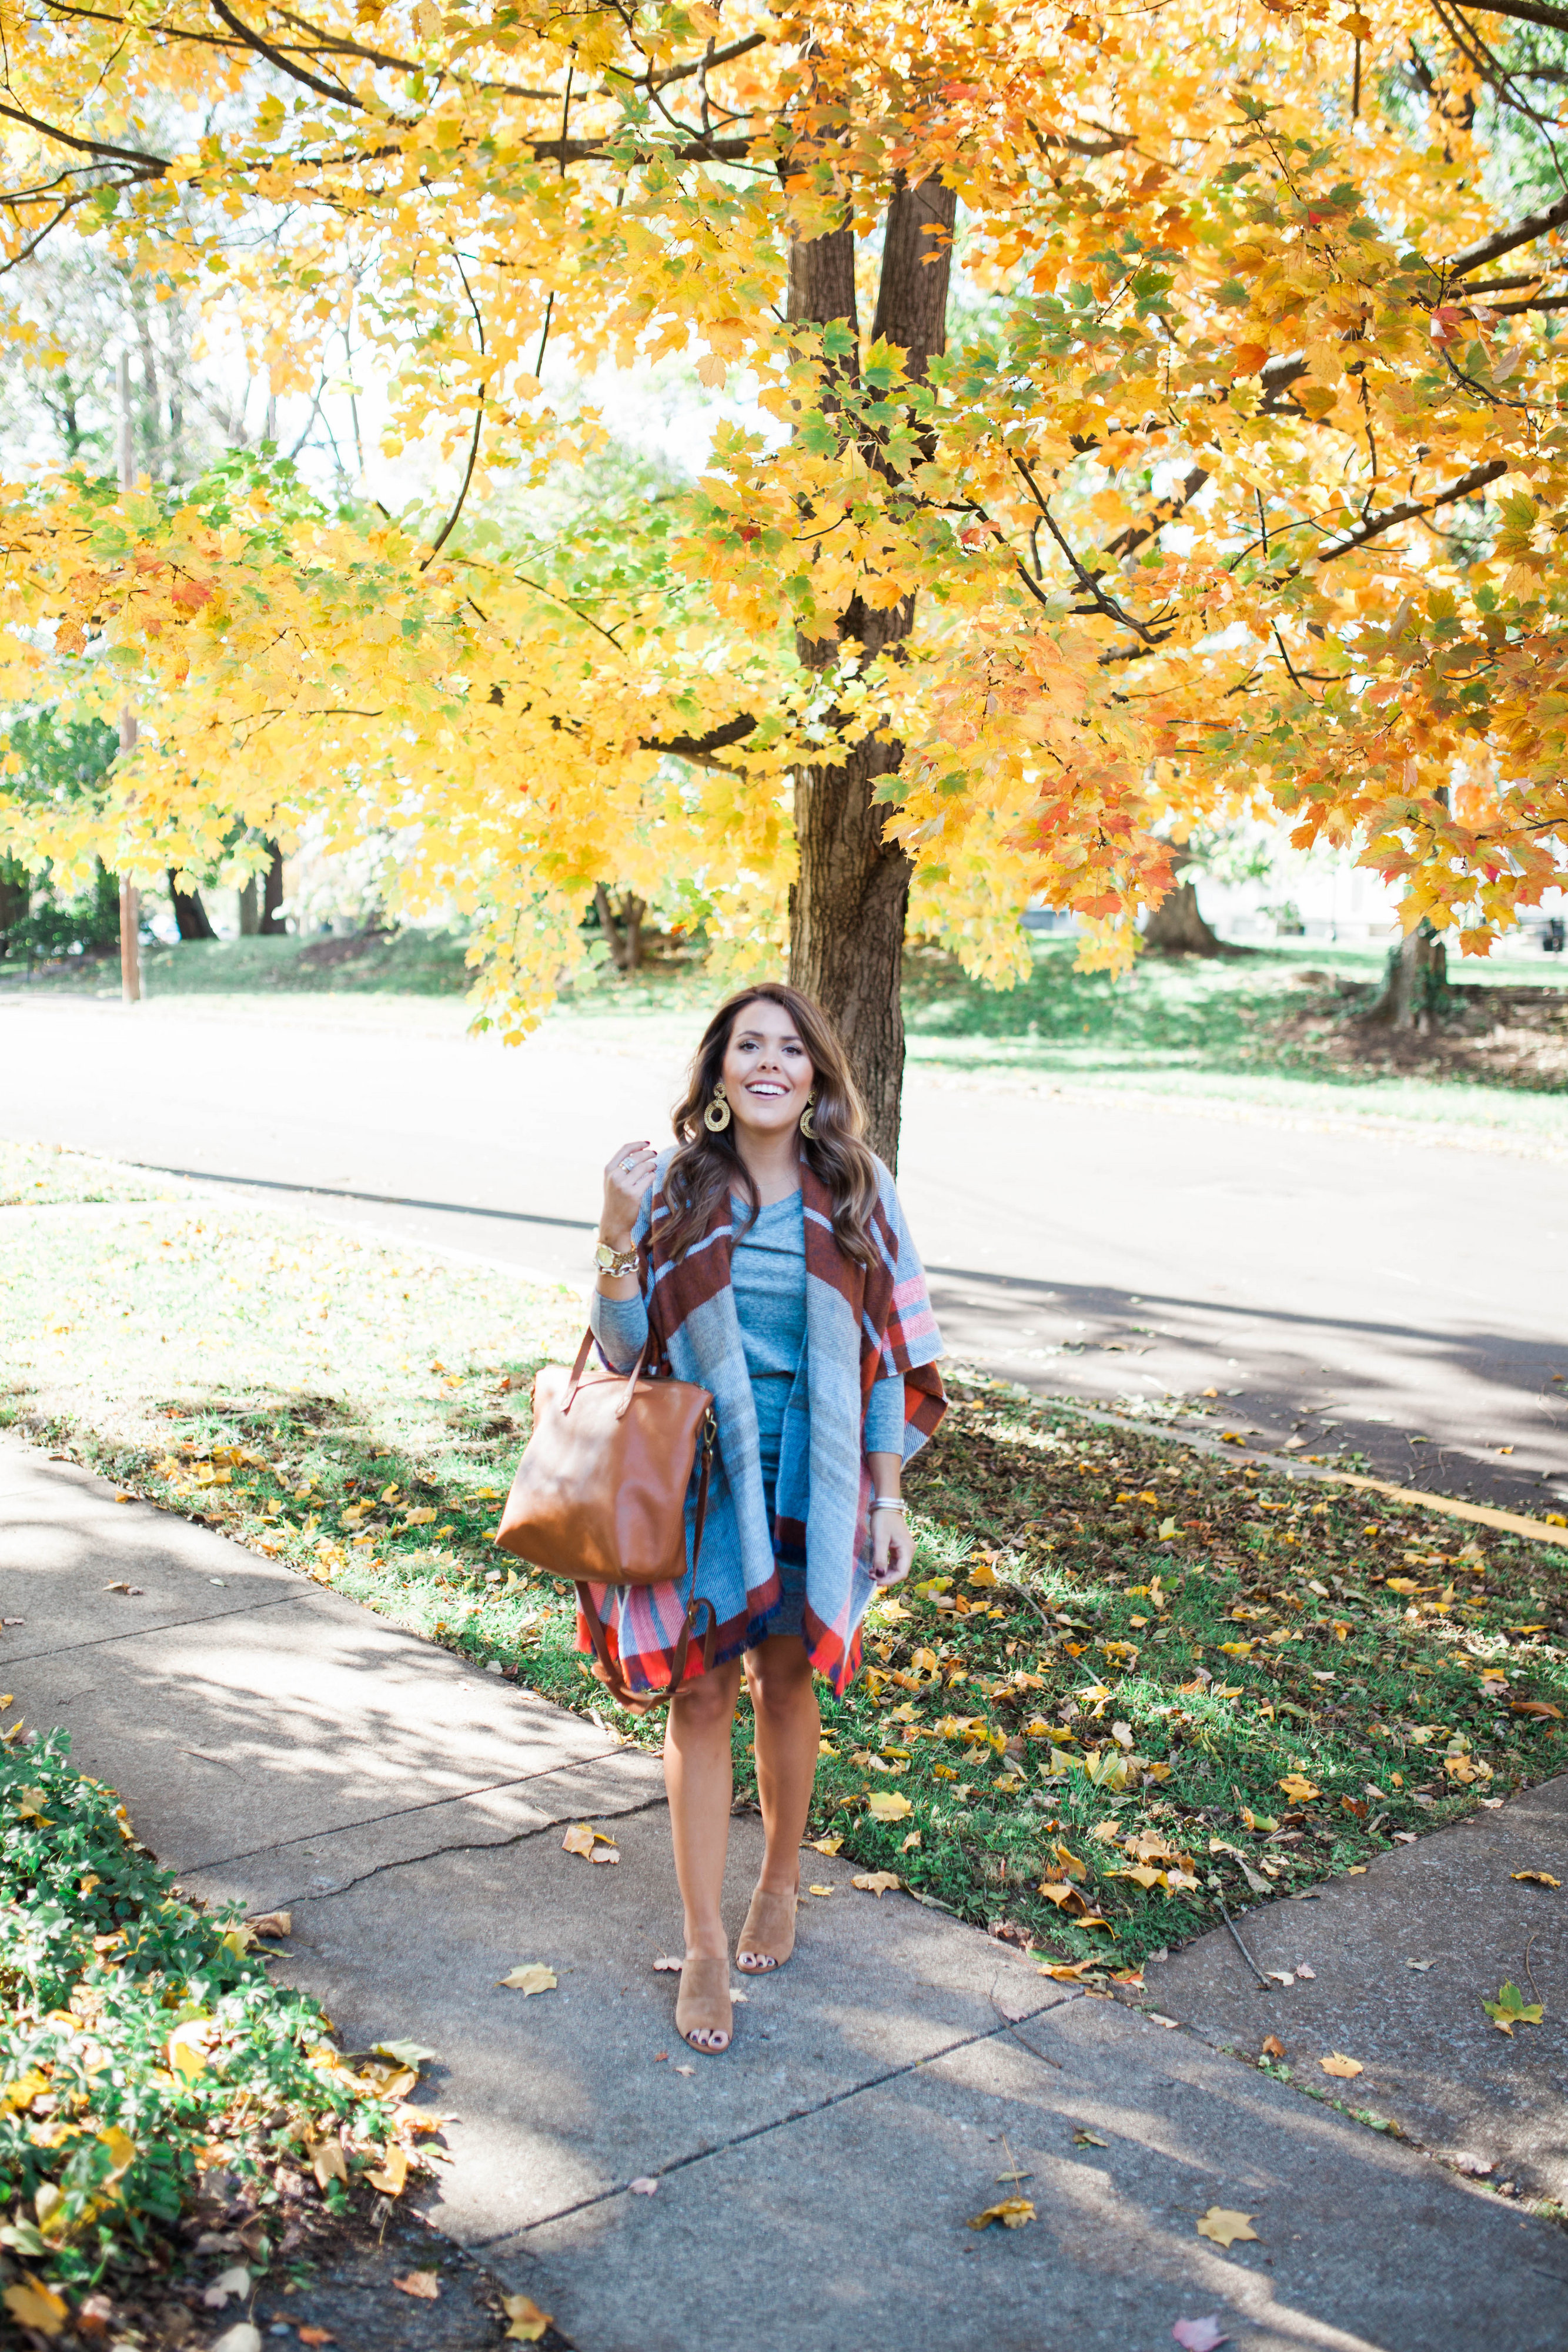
x=862, y=1325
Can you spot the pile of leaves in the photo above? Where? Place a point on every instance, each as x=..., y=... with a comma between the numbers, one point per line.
x=1127, y=1682
x=151, y=2075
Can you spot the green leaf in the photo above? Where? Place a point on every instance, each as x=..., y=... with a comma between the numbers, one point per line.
x=407, y=2054
x=1510, y=2008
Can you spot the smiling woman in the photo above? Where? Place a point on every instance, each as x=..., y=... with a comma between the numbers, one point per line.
x=766, y=1258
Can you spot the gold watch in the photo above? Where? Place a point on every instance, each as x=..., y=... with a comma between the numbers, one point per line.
x=614, y=1261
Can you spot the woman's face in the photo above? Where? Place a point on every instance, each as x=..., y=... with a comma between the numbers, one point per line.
x=768, y=1073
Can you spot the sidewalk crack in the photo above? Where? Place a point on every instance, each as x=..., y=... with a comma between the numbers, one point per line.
x=407, y=1812
x=778, y=2123
x=140, y=1633
x=438, y=1853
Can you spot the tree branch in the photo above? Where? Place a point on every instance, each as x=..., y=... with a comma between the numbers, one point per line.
x=1087, y=580
x=1536, y=302
x=1506, y=240
x=446, y=528
x=338, y=92
x=1414, y=509
x=1524, y=12
x=697, y=747
x=152, y=167
x=1138, y=534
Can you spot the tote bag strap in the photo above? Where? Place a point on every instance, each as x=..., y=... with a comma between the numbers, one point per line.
x=615, y=1681
x=575, y=1382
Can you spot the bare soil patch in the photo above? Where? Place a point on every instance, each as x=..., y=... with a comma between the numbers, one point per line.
x=1502, y=1036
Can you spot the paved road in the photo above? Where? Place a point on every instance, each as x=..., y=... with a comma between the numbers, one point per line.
x=1407, y=1302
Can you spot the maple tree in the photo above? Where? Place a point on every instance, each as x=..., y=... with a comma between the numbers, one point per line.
x=1151, y=416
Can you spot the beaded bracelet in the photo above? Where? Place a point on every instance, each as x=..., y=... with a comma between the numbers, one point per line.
x=887, y=1503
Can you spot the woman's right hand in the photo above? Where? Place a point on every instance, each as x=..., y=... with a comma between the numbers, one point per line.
x=626, y=1181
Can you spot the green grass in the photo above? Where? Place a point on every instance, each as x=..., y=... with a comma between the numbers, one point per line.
x=143, y=2054
x=1108, y=1638
x=404, y=963
x=1220, y=1030
x=1127, y=1649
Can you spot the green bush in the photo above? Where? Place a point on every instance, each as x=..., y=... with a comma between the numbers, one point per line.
x=141, y=2043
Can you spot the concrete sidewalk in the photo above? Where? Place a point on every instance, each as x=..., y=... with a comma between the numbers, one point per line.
x=275, y=1743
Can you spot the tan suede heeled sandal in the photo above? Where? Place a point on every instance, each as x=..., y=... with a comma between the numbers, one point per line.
x=769, y=1933
x=702, y=2005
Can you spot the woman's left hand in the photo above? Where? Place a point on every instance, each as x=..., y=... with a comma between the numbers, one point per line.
x=892, y=1548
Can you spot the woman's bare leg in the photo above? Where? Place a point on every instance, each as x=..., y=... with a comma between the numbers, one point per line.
x=788, y=1733
x=699, y=1777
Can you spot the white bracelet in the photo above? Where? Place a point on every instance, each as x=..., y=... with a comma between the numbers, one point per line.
x=887, y=1503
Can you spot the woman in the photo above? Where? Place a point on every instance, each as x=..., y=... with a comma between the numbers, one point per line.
x=766, y=1258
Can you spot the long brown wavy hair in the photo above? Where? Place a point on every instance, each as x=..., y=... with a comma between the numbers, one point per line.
x=708, y=1167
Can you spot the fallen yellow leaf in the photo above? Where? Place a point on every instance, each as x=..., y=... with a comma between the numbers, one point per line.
x=884, y=1805
x=819, y=1890
x=424, y=2287
x=876, y=1882
x=829, y=1846
x=327, y=2161
x=529, y=2322
x=1535, y=1878
x=36, y=2306
x=22, y=2090
x=121, y=2151
x=529, y=1976
x=392, y=2172
x=1299, y=1788
x=1012, y=2213
x=1225, y=2227
x=584, y=1839
x=1341, y=2065
x=186, y=2057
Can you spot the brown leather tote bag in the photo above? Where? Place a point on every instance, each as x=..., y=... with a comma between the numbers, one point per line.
x=599, y=1496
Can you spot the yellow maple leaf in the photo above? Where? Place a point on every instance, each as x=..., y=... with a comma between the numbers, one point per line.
x=527, y=2323
x=1225, y=2226
x=1012, y=2213
x=530, y=1977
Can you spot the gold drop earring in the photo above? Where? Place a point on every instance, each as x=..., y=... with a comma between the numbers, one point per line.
x=716, y=1118
x=807, y=1129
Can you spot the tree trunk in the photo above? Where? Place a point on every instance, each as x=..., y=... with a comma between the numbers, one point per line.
x=1176, y=926
x=250, y=914
x=849, y=904
x=15, y=896
x=623, y=931
x=191, y=919
x=272, y=926
x=1415, y=985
